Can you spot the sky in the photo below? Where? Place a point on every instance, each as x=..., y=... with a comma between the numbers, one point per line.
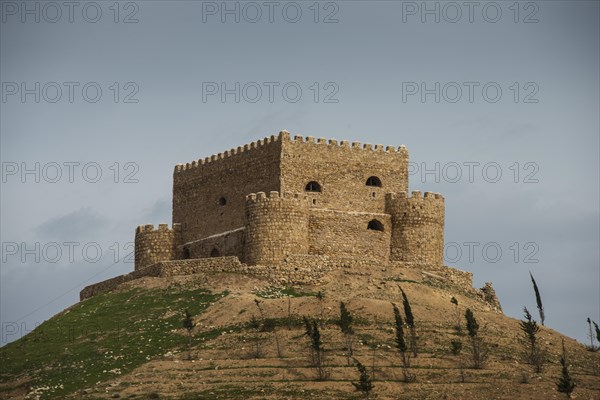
x=497, y=103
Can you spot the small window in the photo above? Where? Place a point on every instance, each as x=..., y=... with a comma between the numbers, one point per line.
x=374, y=181
x=375, y=225
x=215, y=253
x=313, y=187
x=186, y=253
x=222, y=201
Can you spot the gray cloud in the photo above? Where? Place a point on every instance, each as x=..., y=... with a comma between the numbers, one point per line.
x=82, y=223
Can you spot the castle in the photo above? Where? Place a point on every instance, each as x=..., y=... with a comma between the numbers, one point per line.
x=294, y=210
x=279, y=197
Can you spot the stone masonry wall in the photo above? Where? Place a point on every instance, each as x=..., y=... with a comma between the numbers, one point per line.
x=339, y=233
x=418, y=227
x=209, y=195
x=342, y=170
x=162, y=269
x=299, y=269
x=276, y=225
x=230, y=243
x=155, y=245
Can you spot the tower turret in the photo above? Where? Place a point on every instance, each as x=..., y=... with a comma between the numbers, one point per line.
x=417, y=227
x=155, y=245
x=276, y=225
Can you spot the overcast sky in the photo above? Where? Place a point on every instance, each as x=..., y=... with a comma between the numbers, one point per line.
x=501, y=100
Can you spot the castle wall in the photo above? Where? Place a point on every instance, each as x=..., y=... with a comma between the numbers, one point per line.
x=342, y=171
x=276, y=225
x=230, y=243
x=167, y=268
x=155, y=245
x=418, y=227
x=198, y=187
x=338, y=233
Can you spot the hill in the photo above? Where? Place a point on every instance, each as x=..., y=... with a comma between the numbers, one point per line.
x=129, y=343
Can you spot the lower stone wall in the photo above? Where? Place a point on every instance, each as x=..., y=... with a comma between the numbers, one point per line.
x=340, y=233
x=222, y=245
x=166, y=268
x=298, y=269
x=460, y=278
x=111, y=283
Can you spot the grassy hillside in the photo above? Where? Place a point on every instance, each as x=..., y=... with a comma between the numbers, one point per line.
x=130, y=343
x=94, y=341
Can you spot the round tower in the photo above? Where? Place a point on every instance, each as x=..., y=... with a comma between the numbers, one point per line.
x=417, y=227
x=276, y=225
x=155, y=245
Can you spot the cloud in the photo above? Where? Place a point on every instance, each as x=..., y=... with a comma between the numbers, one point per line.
x=84, y=222
x=159, y=212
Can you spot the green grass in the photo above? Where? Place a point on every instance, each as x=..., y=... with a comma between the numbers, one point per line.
x=273, y=292
x=101, y=338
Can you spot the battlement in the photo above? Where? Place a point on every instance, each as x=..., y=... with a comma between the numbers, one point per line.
x=161, y=228
x=273, y=196
x=194, y=165
x=347, y=144
x=416, y=197
x=285, y=135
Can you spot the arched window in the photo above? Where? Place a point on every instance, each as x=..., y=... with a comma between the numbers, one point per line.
x=222, y=201
x=373, y=181
x=186, y=253
x=312, y=186
x=215, y=253
x=375, y=225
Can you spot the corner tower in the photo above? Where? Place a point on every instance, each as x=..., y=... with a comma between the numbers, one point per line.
x=276, y=225
x=155, y=245
x=417, y=227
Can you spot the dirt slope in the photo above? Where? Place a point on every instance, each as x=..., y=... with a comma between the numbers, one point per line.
x=223, y=362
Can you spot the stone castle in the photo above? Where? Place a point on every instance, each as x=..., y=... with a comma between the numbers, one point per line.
x=297, y=210
x=283, y=197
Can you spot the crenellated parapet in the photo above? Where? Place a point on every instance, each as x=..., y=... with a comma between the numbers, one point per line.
x=417, y=227
x=276, y=225
x=228, y=154
x=348, y=145
x=274, y=197
x=285, y=136
x=154, y=245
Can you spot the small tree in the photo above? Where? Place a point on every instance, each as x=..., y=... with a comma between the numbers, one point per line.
x=565, y=384
x=410, y=322
x=401, y=344
x=591, y=335
x=255, y=326
x=597, y=331
x=364, y=384
x=534, y=355
x=321, y=297
x=307, y=327
x=476, y=345
x=538, y=299
x=268, y=325
x=346, y=328
x=317, y=353
x=188, y=324
x=456, y=348
x=458, y=316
